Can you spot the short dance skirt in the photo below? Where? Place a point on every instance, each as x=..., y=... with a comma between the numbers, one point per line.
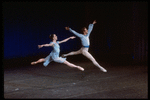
x=49, y=58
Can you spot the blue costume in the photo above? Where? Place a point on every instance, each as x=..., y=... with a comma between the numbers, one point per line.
x=85, y=46
x=54, y=55
x=84, y=38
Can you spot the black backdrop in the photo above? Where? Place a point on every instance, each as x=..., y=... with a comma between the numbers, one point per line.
x=120, y=34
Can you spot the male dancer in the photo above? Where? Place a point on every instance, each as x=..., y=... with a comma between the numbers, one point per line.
x=85, y=44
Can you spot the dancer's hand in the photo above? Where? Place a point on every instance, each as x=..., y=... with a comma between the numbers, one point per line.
x=67, y=28
x=40, y=46
x=94, y=22
x=72, y=37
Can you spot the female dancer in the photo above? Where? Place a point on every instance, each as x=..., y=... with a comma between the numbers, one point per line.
x=54, y=55
x=85, y=44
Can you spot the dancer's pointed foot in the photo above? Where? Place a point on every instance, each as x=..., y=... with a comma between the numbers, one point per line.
x=33, y=63
x=80, y=68
x=103, y=69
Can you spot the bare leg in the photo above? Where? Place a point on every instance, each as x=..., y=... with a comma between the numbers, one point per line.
x=72, y=65
x=38, y=61
x=73, y=53
x=89, y=56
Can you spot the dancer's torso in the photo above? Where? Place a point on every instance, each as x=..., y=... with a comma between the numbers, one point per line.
x=85, y=40
x=56, y=50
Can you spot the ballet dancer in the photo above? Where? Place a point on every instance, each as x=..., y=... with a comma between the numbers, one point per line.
x=85, y=44
x=54, y=55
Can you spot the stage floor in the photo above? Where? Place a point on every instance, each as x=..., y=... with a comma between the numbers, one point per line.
x=62, y=82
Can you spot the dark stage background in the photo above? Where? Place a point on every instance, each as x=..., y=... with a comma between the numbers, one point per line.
x=120, y=35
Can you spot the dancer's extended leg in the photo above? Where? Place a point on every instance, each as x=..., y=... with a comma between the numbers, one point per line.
x=38, y=61
x=72, y=65
x=73, y=53
x=89, y=56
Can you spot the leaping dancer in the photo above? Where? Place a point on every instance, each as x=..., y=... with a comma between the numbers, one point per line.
x=54, y=55
x=85, y=44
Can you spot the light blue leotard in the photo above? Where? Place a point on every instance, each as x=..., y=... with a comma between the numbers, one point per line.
x=54, y=55
x=84, y=38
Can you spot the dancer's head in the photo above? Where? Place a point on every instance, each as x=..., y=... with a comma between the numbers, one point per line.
x=84, y=31
x=53, y=37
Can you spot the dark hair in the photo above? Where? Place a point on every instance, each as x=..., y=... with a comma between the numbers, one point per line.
x=82, y=30
x=51, y=36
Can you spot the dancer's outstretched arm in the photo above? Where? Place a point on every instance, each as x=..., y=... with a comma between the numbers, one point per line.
x=90, y=28
x=45, y=45
x=74, y=32
x=65, y=40
x=94, y=22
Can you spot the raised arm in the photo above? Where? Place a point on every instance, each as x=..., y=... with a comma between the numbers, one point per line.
x=74, y=32
x=65, y=40
x=94, y=22
x=45, y=45
x=90, y=28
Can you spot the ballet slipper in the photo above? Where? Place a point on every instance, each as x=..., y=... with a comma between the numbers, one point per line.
x=33, y=63
x=102, y=69
x=82, y=69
